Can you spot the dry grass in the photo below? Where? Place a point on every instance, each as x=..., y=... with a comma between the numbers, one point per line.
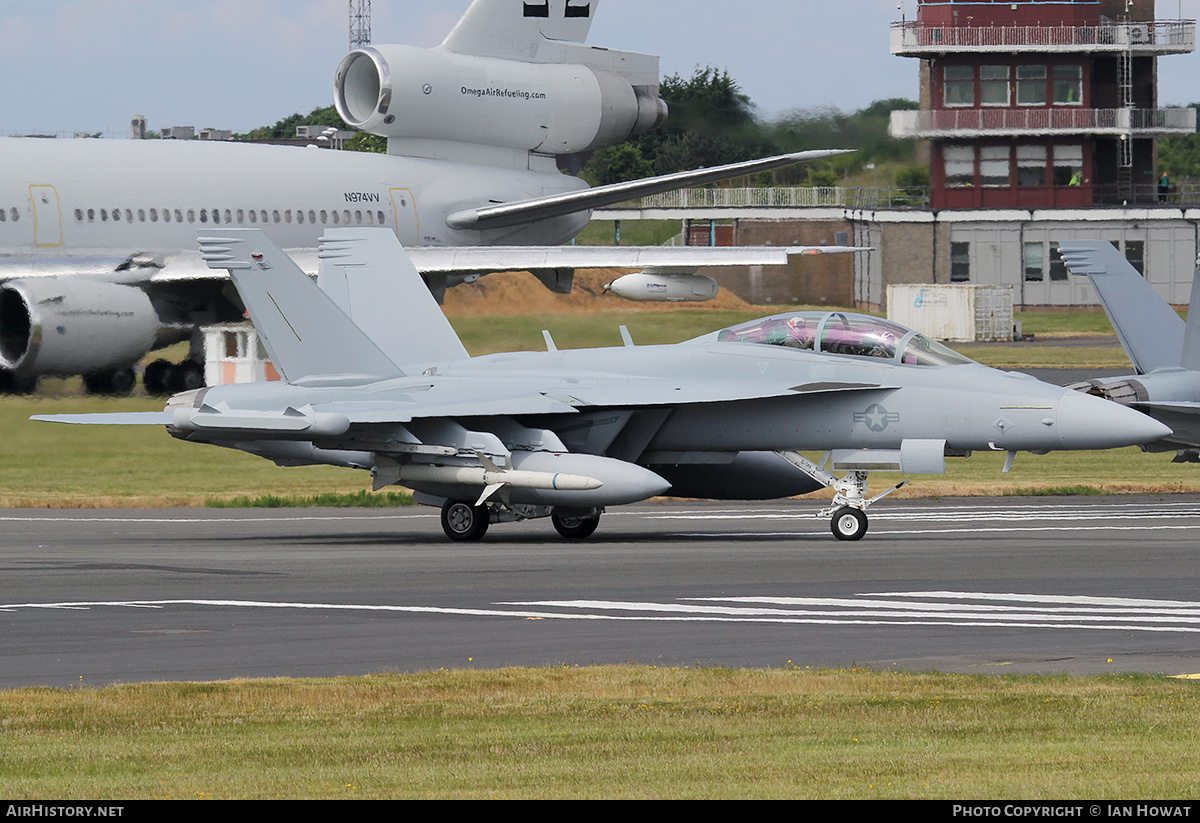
x=608, y=732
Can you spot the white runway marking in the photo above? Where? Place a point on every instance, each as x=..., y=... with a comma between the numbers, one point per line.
x=1004, y=611
x=1118, y=516
x=191, y=521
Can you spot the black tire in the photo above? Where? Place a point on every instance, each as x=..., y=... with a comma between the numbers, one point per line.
x=186, y=376
x=96, y=383
x=157, y=377
x=122, y=382
x=575, y=528
x=11, y=384
x=463, y=522
x=848, y=524
x=111, y=383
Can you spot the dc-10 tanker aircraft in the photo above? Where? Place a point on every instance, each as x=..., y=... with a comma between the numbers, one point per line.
x=97, y=237
x=376, y=379
x=1164, y=350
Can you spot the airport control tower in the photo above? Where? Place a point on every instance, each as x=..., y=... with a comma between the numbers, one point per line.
x=1038, y=104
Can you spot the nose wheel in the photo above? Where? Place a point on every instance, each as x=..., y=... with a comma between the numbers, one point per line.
x=848, y=524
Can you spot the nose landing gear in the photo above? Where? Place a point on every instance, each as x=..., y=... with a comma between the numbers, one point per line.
x=848, y=512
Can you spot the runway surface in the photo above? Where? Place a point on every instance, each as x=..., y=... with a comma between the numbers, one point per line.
x=1076, y=585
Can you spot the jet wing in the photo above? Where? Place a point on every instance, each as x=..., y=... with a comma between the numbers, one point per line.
x=502, y=215
x=476, y=260
x=458, y=399
x=1176, y=406
x=134, y=267
x=452, y=259
x=99, y=262
x=665, y=392
x=1149, y=330
x=109, y=418
x=484, y=398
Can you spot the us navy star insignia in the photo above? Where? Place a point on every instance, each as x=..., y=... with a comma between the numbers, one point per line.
x=876, y=417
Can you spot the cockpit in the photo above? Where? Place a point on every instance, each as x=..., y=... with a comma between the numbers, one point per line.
x=854, y=335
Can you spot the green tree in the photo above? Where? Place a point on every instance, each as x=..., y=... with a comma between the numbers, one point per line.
x=616, y=164
x=711, y=123
x=324, y=116
x=865, y=131
x=1179, y=157
x=913, y=177
x=825, y=177
x=286, y=128
x=363, y=141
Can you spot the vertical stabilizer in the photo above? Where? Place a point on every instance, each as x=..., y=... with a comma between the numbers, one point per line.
x=1150, y=331
x=516, y=29
x=1191, y=333
x=367, y=273
x=307, y=336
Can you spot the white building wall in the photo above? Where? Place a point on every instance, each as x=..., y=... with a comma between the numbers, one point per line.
x=1166, y=243
x=914, y=246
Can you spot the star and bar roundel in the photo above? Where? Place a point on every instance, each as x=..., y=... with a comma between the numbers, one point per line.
x=876, y=418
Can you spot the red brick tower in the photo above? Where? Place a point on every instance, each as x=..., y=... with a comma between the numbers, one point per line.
x=1039, y=104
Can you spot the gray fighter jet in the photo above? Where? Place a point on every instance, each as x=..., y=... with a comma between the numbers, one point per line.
x=375, y=378
x=1164, y=351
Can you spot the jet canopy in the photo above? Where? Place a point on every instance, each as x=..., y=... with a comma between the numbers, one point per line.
x=855, y=335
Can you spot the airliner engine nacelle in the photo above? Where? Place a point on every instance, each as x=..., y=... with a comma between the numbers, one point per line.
x=73, y=325
x=435, y=94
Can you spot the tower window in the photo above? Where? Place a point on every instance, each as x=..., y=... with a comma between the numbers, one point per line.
x=1031, y=85
x=959, y=89
x=993, y=86
x=1031, y=166
x=960, y=165
x=1068, y=165
x=1068, y=85
x=994, y=166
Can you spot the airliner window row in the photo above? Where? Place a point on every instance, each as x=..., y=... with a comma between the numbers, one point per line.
x=228, y=216
x=11, y=214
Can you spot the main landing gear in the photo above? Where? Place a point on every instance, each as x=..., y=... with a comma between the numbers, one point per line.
x=165, y=377
x=465, y=522
x=115, y=382
x=575, y=528
x=848, y=512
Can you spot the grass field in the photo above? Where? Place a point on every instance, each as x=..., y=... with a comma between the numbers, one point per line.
x=609, y=732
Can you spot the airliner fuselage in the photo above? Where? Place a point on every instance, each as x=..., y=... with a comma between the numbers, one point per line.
x=123, y=196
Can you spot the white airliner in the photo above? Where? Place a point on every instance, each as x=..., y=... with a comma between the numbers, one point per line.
x=98, y=237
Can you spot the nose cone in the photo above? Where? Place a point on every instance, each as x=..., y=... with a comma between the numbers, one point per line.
x=1086, y=422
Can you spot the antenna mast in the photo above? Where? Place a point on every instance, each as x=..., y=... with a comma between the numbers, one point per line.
x=360, y=24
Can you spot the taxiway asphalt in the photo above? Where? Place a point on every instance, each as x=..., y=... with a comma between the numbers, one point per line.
x=1074, y=585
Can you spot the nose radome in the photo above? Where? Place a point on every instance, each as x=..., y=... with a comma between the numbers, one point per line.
x=1086, y=422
